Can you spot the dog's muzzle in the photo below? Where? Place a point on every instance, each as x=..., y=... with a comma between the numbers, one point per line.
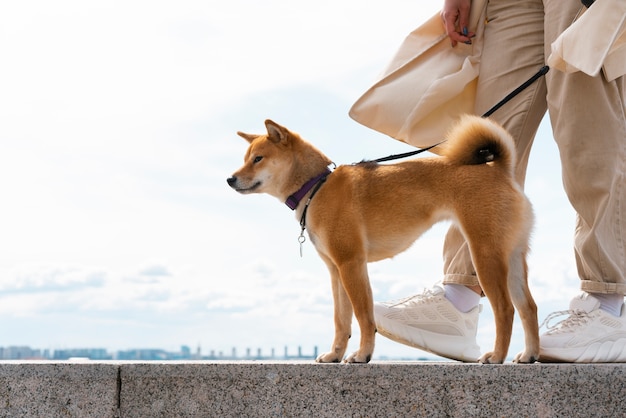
x=233, y=182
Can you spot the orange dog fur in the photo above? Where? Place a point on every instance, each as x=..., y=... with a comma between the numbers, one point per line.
x=368, y=212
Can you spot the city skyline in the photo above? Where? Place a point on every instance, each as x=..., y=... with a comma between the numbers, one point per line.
x=152, y=354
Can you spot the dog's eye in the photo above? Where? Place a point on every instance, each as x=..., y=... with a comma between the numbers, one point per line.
x=257, y=159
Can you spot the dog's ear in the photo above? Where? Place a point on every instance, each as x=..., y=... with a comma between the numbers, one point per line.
x=247, y=137
x=276, y=133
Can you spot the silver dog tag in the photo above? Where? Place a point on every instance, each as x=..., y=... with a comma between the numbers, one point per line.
x=301, y=240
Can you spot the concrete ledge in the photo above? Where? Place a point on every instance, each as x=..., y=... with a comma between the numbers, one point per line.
x=58, y=389
x=385, y=389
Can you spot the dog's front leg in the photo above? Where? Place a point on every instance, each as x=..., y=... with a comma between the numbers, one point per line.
x=356, y=282
x=342, y=315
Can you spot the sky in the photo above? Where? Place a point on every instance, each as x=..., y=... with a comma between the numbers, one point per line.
x=118, y=126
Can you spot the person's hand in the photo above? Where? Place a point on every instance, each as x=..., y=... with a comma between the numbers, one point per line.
x=455, y=15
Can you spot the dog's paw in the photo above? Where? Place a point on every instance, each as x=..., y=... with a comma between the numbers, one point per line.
x=356, y=357
x=525, y=358
x=328, y=358
x=491, y=358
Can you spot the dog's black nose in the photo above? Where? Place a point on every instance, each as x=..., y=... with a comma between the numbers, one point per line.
x=231, y=181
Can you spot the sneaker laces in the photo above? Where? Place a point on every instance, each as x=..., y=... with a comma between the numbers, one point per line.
x=575, y=319
x=415, y=299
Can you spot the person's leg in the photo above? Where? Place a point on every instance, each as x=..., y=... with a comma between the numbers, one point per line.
x=588, y=116
x=444, y=320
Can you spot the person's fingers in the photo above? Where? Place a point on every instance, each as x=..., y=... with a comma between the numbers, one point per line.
x=456, y=25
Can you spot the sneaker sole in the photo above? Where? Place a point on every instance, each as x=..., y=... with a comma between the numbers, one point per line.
x=601, y=352
x=473, y=358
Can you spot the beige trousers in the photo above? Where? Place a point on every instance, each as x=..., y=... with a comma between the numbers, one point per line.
x=588, y=117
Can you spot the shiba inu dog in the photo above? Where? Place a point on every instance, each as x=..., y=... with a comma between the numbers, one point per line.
x=368, y=212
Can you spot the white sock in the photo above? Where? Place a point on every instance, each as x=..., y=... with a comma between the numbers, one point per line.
x=462, y=297
x=610, y=302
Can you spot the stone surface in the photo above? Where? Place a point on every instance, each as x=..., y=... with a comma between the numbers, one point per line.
x=42, y=389
x=374, y=390
x=303, y=389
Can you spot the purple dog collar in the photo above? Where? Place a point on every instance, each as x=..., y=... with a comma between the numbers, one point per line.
x=293, y=200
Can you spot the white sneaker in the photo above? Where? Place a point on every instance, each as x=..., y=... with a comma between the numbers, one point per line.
x=430, y=322
x=587, y=335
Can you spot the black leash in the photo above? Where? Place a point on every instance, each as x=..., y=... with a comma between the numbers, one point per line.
x=542, y=71
x=406, y=154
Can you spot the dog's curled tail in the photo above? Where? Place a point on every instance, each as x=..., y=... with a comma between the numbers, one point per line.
x=476, y=140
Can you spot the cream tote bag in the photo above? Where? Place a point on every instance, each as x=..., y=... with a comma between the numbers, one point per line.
x=427, y=85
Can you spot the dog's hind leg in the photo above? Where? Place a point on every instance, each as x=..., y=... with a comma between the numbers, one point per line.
x=525, y=305
x=342, y=315
x=492, y=270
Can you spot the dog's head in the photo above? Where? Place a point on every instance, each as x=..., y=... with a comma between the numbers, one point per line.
x=266, y=162
x=277, y=163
